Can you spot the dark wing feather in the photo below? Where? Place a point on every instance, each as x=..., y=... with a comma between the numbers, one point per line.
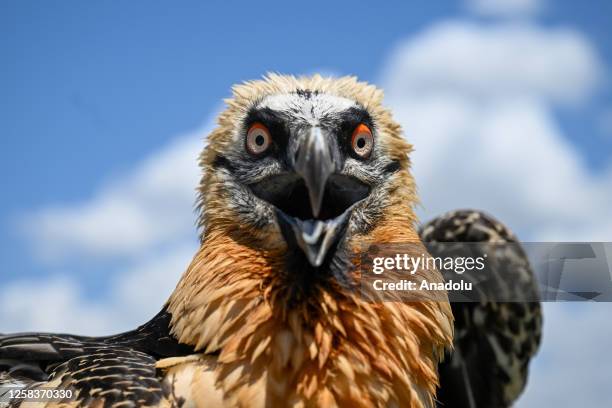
x=153, y=338
x=111, y=369
x=494, y=340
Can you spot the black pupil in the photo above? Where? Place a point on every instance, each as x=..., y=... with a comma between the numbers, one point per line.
x=259, y=140
x=361, y=142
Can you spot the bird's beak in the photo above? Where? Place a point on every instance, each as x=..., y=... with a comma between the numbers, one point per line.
x=314, y=202
x=313, y=162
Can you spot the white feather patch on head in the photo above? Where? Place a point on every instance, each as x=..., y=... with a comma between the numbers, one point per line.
x=310, y=109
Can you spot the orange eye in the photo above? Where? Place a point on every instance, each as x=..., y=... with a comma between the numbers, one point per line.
x=258, y=139
x=362, y=141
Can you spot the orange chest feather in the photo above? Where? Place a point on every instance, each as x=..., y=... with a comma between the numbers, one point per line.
x=334, y=349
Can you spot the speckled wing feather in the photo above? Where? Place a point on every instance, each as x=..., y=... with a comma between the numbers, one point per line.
x=114, y=371
x=494, y=340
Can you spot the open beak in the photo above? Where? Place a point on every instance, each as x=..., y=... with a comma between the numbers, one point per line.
x=313, y=203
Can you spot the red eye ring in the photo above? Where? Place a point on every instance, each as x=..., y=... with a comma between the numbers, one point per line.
x=362, y=141
x=258, y=139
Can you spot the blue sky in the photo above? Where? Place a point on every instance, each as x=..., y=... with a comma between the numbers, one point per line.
x=103, y=106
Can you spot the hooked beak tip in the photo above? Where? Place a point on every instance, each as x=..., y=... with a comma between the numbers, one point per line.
x=314, y=237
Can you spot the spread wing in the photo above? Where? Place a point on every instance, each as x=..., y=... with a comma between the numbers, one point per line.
x=109, y=371
x=494, y=340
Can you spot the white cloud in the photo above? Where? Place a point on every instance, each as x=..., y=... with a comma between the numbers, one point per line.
x=505, y=8
x=59, y=303
x=492, y=61
x=509, y=158
x=476, y=102
x=52, y=304
x=143, y=288
x=151, y=205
